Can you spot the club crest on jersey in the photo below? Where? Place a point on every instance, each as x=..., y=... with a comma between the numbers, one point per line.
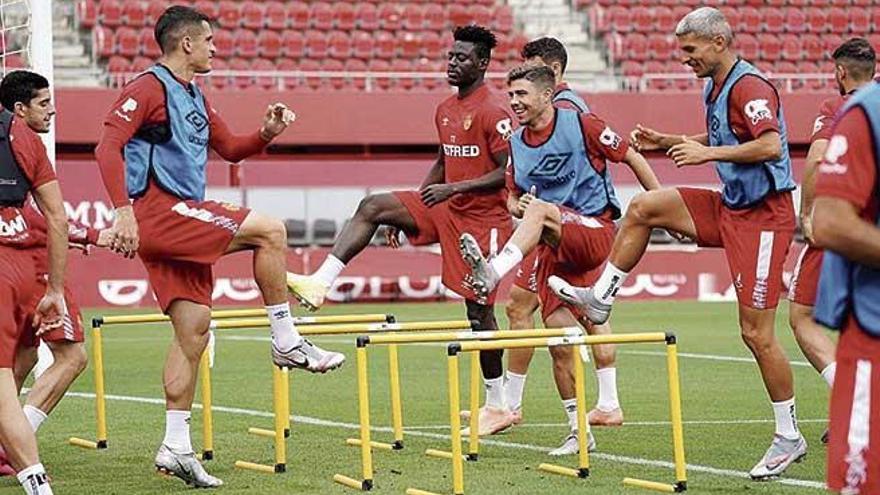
x=467, y=122
x=758, y=110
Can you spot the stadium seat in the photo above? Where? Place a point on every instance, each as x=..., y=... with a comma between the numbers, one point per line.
x=679, y=11
x=389, y=16
x=502, y=19
x=224, y=43
x=830, y=42
x=229, y=14
x=264, y=82
x=296, y=232
x=323, y=231
x=293, y=44
x=412, y=17
x=378, y=66
x=269, y=44
x=86, y=12
x=436, y=81
x=384, y=46
x=481, y=15
x=134, y=13
x=635, y=45
x=432, y=46
x=336, y=82
x=410, y=45
x=110, y=13
x=140, y=64
x=245, y=43
x=774, y=20
x=210, y=8
x=631, y=68
x=103, y=42
x=771, y=46
x=127, y=42
x=298, y=15
x=838, y=20
x=795, y=20
x=340, y=45
x=356, y=65
x=664, y=22
x=748, y=45
x=875, y=19
x=321, y=16
x=289, y=65
x=817, y=20
x=791, y=48
x=147, y=40
x=276, y=16
x=860, y=21
x=643, y=19
x=620, y=19
x=252, y=15
x=749, y=20
x=217, y=81
x=661, y=46
x=812, y=46
x=241, y=81
x=344, y=16
x=458, y=14
x=367, y=16
x=362, y=45
x=435, y=17
x=316, y=44
x=118, y=65
x=661, y=236
x=403, y=82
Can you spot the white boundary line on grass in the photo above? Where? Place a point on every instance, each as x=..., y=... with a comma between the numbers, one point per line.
x=729, y=473
x=640, y=423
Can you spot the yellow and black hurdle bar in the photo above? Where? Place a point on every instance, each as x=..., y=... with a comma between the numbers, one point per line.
x=98, y=323
x=583, y=468
x=365, y=442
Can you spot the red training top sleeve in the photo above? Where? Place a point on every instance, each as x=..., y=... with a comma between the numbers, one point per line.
x=30, y=154
x=497, y=127
x=825, y=120
x=141, y=102
x=510, y=178
x=848, y=171
x=753, y=107
x=602, y=142
x=229, y=146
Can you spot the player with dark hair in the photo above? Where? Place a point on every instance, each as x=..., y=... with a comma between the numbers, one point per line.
x=25, y=172
x=854, y=63
x=523, y=303
x=752, y=218
x=152, y=157
x=464, y=191
x=560, y=157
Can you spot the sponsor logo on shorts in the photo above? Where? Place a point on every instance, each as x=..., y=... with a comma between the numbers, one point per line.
x=206, y=216
x=13, y=227
x=230, y=206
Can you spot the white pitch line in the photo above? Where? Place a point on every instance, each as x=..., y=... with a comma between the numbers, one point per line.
x=640, y=423
x=729, y=473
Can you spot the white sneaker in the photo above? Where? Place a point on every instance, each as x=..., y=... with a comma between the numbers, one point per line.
x=781, y=454
x=570, y=445
x=309, y=291
x=307, y=356
x=184, y=466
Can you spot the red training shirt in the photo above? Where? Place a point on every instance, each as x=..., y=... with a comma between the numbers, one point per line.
x=824, y=122
x=564, y=103
x=752, y=107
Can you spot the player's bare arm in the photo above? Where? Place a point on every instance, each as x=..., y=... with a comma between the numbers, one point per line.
x=766, y=147
x=808, y=186
x=646, y=139
x=276, y=120
x=641, y=169
x=437, y=193
x=837, y=226
x=51, y=308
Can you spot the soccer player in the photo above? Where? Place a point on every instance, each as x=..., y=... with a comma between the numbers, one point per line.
x=847, y=225
x=559, y=156
x=752, y=218
x=464, y=191
x=152, y=157
x=854, y=63
x=523, y=293
x=25, y=170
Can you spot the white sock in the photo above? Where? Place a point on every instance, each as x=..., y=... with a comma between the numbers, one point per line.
x=508, y=258
x=34, y=480
x=828, y=374
x=607, y=389
x=786, y=418
x=571, y=410
x=329, y=270
x=609, y=283
x=284, y=334
x=34, y=416
x=177, y=431
x=513, y=390
x=494, y=392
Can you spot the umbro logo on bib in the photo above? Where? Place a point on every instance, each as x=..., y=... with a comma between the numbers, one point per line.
x=197, y=120
x=550, y=165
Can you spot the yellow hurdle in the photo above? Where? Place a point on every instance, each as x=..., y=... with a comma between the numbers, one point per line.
x=349, y=328
x=245, y=313
x=207, y=412
x=583, y=469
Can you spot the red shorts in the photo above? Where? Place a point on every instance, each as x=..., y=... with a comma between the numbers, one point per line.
x=17, y=286
x=584, y=246
x=755, y=255
x=71, y=329
x=440, y=224
x=805, y=279
x=854, y=435
x=527, y=273
x=180, y=241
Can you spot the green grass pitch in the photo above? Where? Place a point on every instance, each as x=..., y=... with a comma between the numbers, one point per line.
x=727, y=414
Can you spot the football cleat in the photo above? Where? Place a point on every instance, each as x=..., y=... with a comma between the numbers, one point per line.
x=570, y=445
x=307, y=356
x=309, y=291
x=485, y=277
x=781, y=454
x=582, y=298
x=185, y=467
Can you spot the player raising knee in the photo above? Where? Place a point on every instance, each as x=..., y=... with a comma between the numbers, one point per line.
x=560, y=157
x=152, y=156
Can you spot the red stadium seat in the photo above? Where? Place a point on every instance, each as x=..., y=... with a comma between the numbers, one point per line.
x=732, y=16
x=817, y=20
x=362, y=45
x=860, y=21
x=791, y=48
x=293, y=44
x=269, y=44
x=344, y=15
x=875, y=19
x=229, y=15
x=322, y=16
x=384, y=46
x=147, y=40
x=749, y=20
x=389, y=16
x=502, y=19
x=830, y=42
x=620, y=19
x=410, y=45
x=252, y=15
x=118, y=65
x=356, y=65
x=771, y=46
x=265, y=82
x=154, y=10
x=298, y=15
x=86, y=13
x=874, y=39
x=412, y=17
x=748, y=45
x=127, y=42
x=276, y=16
x=813, y=49
x=216, y=81
x=661, y=46
x=631, y=68
x=367, y=16
x=210, y=8
x=140, y=64
x=481, y=15
x=103, y=42
x=635, y=45
x=336, y=82
x=664, y=21
x=110, y=13
x=289, y=65
x=403, y=82
x=245, y=43
x=134, y=13
x=774, y=20
x=458, y=14
x=838, y=20
x=643, y=19
x=654, y=67
x=316, y=44
x=377, y=67
x=435, y=17
x=224, y=42
x=241, y=81
x=436, y=81
x=432, y=46
x=340, y=45
x=795, y=20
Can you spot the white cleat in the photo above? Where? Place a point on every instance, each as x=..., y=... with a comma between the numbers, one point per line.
x=185, y=467
x=781, y=454
x=309, y=291
x=581, y=298
x=570, y=445
x=307, y=356
x=485, y=277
